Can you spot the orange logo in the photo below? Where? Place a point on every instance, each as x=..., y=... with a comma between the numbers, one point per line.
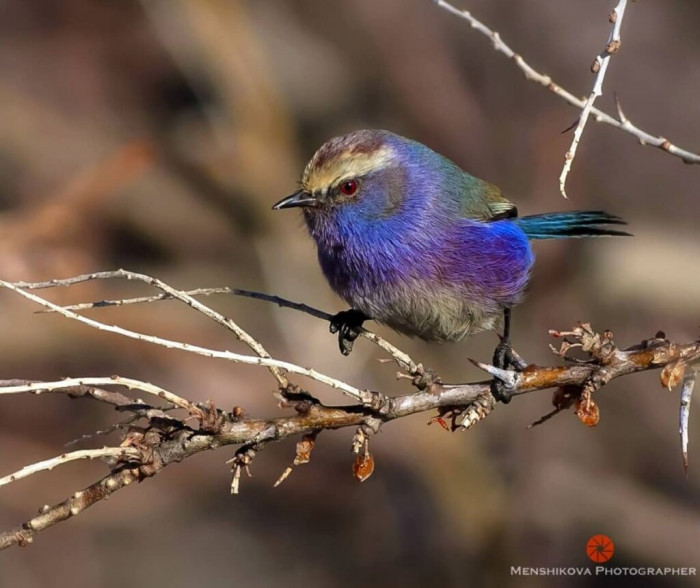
x=600, y=548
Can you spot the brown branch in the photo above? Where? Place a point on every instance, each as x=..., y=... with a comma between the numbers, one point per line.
x=162, y=444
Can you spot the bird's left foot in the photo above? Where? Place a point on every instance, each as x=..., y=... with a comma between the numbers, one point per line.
x=348, y=325
x=505, y=359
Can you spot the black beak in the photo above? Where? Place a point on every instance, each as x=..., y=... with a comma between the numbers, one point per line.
x=299, y=198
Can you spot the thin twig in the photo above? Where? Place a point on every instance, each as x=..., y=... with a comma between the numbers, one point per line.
x=119, y=426
x=39, y=387
x=543, y=419
x=49, y=464
x=80, y=501
x=139, y=299
x=240, y=333
x=402, y=358
x=363, y=396
x=546, y=81
x=600, y=67
x=111, y=397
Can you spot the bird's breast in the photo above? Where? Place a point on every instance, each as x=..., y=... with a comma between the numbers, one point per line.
x=439, y=285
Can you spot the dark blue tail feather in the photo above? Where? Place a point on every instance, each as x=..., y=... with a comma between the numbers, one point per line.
x=568, y=225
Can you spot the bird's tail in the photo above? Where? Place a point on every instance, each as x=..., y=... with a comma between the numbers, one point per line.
x=567, y=225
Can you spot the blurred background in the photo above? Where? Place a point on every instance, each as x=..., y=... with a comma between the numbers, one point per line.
x=156, y=135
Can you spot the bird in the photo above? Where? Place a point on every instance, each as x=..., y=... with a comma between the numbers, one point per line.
x=410, y=240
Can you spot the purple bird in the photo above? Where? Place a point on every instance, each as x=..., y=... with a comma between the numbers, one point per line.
x=409, y=239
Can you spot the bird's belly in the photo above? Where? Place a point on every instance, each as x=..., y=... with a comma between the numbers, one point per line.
x=433, y=316
x=416, y=306
x=437, y=293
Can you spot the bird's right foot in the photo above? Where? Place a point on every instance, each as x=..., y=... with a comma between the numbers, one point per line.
x=504, y=358
x=348, y=325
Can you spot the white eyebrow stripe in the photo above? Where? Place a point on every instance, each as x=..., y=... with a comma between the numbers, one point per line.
x=345, y=166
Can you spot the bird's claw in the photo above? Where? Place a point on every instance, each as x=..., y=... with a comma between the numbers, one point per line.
x=348, y=325
x=506, y=367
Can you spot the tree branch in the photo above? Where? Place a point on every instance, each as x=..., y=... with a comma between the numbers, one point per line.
x=64, y=458
x=544, y=80
x=166, y=439
x=599, y=67
x=351, y=391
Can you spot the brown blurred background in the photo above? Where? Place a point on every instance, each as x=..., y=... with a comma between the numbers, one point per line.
x=156, y=135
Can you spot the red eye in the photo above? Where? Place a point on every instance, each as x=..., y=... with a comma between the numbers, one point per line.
x=348, y=187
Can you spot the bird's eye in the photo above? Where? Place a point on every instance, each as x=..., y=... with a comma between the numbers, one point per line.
x=348, y=187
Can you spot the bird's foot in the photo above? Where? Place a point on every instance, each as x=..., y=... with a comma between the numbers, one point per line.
x=507, y=363
x=348, y=325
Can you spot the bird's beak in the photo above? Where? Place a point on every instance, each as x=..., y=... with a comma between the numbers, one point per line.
x=299, y=198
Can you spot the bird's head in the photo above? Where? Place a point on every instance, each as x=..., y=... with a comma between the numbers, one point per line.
x=362, y=169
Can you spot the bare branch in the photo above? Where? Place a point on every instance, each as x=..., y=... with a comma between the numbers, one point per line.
x=51, y=515
x=171, y=292
x=138, y=409
x=600, y=67
x=167, y=439
x=546, y=81
x=71, y=383
x=402, y=358
x=49, y=464
x=360, y=395
x=160, y=450
x=137, y=300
